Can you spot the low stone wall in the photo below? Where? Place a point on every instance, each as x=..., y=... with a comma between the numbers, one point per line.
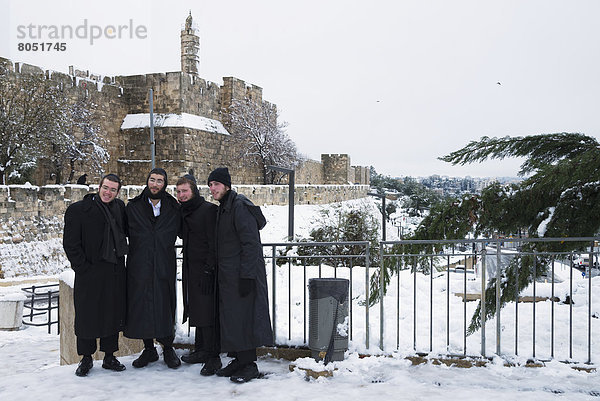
x=31, y=217
x=30, y=213
x=68, y=340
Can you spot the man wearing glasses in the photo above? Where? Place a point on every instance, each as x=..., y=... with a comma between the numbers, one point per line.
x=95, y=243
x=153, y=220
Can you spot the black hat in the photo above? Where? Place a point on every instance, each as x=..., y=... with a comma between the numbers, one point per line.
x=191, y=178
x=220, y=174
x=159, y=171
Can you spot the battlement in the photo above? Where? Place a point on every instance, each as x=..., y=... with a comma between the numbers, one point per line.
x=199, y=138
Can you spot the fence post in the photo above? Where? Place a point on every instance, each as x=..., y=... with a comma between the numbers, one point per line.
x=381, y=284
x=498, y=280
x=49, y=310
x=590, y=265
x=482, y=301
x=274, y=293
x=367, y=257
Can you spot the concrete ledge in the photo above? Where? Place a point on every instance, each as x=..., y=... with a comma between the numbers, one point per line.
x=68, y=340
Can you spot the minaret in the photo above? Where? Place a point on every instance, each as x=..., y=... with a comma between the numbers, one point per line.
x=190, y=47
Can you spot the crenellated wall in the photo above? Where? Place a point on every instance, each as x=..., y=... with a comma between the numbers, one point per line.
x=180, y=147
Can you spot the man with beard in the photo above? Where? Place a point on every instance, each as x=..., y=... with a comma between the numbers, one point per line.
x=153, y=220
x=95, y=243
x=198, y=234
x=242, y=280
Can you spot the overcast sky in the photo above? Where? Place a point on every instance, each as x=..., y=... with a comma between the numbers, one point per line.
x=395, y=84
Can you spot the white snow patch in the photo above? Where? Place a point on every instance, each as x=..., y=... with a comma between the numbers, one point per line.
x=544, y=224
x=184, y=120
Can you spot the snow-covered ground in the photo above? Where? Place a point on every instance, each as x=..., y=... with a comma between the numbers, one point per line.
x=29, y=358
x=29, y=370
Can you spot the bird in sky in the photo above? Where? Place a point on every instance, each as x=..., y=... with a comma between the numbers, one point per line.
x=498, y=83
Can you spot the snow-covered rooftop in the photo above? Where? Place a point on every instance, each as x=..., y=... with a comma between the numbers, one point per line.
x=183, y=120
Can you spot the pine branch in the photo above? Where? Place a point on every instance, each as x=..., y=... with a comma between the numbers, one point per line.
x=538, y=150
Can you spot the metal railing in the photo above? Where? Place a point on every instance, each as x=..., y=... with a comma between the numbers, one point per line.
x=422, y=304
x=42, y=300
x=343, y=258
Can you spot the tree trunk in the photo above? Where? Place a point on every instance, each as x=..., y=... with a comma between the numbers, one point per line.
x=265, y=175
x=72, y=170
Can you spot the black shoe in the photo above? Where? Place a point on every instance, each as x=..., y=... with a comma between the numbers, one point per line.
x=112, y=363
x=196, y=357
x=245, y=374
x=211, y=366
x=230, y=369
x=171, y=358
x=84, y=366
x=148, y=355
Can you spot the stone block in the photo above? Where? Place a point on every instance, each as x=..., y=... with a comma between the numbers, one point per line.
x=68, y=340
x=76, y=192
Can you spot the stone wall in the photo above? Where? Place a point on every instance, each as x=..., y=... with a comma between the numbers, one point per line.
x=32, y=218
x=337, y=169
x=30, y=213
x=310, y=172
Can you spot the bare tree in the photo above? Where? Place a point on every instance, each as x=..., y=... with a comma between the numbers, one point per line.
x=79, y=142
x=257, y=136
x=32, y=110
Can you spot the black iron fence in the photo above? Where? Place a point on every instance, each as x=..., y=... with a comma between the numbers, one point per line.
x=41, y=301
x=433, y=289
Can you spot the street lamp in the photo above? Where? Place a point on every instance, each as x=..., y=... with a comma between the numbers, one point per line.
x=291, y=174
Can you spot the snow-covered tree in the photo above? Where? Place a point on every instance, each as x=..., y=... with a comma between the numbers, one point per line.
x=32, y=110
x=257, y=136
x=80, y=142
x=559, y=198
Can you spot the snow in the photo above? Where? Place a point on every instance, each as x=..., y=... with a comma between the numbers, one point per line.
x=30, y=366
x=544, y=224
x=13, y=297
x=142, y=120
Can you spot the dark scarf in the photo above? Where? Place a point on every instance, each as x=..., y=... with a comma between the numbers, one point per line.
x=189, y=206
x=115, y=244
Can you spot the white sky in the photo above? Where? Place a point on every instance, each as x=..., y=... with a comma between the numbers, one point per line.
x=395, y=84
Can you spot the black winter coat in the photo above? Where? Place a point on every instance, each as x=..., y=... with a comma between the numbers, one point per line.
x=244, y=321
x=99, y=293
x=151, y=268
x=198, y=234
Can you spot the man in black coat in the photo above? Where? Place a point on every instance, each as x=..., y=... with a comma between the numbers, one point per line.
x=153, y=220
x=198, y=233
x=241, y=277
x=95, y=243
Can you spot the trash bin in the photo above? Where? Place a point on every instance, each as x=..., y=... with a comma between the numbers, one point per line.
x=11, y=311
x=328, y=318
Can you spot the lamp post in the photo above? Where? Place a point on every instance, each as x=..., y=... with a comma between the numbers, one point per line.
x=291, y=181
x=382, y=197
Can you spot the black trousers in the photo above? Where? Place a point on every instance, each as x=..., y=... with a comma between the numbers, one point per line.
x=244, y=357
x=87, y=346
x=206, y=340
x=166, y=342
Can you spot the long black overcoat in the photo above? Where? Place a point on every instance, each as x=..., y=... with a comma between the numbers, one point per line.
x=151, y=268
x=244, y=321
x=198, y=234
x=99, y=291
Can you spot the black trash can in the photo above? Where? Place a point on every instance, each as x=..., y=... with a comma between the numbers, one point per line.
x=328, y=318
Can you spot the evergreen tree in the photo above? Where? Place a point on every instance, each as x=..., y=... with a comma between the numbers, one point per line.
x=562, y=192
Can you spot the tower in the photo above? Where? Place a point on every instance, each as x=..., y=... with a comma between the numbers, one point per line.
x=190, y=47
